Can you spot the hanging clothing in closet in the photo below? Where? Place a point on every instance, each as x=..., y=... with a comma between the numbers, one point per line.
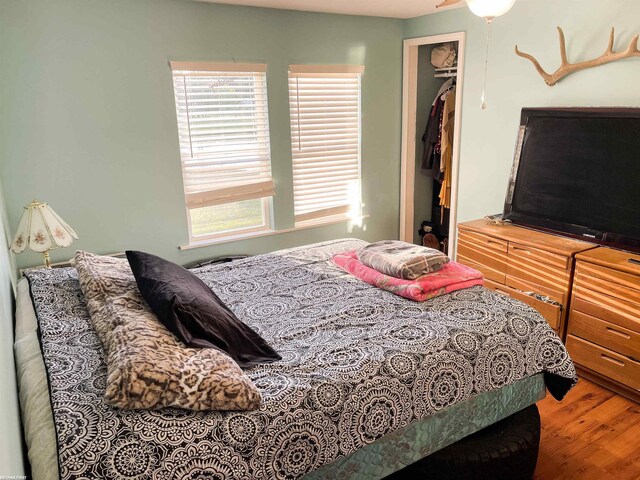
x=431, y=137
x=438, y=140
x=448, y=121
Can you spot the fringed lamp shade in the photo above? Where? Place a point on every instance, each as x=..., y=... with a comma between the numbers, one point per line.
x=41, y=229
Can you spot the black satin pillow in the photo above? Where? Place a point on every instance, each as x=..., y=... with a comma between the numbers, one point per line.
x=193, y=312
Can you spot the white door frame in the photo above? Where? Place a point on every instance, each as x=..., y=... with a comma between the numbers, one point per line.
x=409, y=108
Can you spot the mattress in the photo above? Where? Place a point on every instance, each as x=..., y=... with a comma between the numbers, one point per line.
x=369, y=381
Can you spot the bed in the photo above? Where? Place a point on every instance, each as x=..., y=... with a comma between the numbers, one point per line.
x=369, y=382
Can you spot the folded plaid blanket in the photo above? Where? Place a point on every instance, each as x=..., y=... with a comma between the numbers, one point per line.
x=451, y=277
x=401, y=259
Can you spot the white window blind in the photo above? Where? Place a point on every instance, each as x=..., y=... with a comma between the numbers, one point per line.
x=324, y=106
x=223, y=128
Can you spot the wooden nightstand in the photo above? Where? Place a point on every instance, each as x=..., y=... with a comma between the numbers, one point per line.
x=604, y=323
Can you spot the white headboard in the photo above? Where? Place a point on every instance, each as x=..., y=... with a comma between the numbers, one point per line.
x=11, y=456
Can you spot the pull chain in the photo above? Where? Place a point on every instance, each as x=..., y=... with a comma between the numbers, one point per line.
x=483, y=105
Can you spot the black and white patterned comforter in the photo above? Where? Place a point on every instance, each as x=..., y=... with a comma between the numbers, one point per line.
x=358, y=362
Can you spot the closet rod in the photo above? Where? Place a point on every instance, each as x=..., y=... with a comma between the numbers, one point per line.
x=446, y=75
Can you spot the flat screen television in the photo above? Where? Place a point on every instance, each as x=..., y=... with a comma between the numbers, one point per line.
x=576, y=172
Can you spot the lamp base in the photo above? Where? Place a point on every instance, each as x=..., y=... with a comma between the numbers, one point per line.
x=47, y=259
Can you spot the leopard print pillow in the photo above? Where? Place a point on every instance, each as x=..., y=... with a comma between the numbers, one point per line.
x=147, y=366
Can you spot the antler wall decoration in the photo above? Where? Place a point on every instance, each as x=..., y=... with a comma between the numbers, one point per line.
x=567, y=68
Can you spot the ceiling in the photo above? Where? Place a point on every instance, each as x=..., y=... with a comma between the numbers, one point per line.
x=372, y=8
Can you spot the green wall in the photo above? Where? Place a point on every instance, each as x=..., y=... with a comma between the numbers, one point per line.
x=488, y=136
x=89, y=120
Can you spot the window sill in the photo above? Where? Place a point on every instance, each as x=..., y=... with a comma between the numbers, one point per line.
x=319, y=222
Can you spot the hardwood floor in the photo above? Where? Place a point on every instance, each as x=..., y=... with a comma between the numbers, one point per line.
x=591, y=435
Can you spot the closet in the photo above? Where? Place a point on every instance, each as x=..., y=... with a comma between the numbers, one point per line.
x=435, y=119
x=431, y=110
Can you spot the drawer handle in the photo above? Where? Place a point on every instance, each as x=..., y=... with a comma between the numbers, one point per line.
x=518, y=249
x=493, y=242
x=620, y=334
x=634, y=261
x=612, y=360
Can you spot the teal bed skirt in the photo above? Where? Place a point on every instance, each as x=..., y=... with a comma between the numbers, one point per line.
x=408, y=445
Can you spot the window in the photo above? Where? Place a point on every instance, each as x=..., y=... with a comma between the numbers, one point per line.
x=223, y=128
x=324, y=103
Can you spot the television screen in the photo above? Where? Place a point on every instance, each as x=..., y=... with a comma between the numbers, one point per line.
x=577, y=171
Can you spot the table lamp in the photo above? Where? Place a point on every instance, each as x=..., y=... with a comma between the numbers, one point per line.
x=41, y=229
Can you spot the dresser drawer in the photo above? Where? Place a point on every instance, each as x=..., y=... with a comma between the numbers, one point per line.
x=604, y=361
x=559, y=296
x=537, y=267
x=484, y=253
x=550, y=312
x=537, y=258
x=492, y=243
x=609, y=282
x=606, y=334
x=611, y=309
x=614, y=260
x=487, y=272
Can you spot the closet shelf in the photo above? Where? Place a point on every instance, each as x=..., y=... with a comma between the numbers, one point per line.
x=448, y=72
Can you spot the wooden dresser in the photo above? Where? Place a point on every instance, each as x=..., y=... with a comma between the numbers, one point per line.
x=518, y=261
x=603, y=336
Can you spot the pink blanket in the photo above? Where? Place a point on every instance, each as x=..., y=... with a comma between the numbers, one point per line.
x=451, y=277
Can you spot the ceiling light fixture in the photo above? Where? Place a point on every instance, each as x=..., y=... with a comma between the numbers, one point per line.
x=487, y=9
x=490, y=9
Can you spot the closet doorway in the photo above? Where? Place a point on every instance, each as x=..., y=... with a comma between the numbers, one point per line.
x=420, y=187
